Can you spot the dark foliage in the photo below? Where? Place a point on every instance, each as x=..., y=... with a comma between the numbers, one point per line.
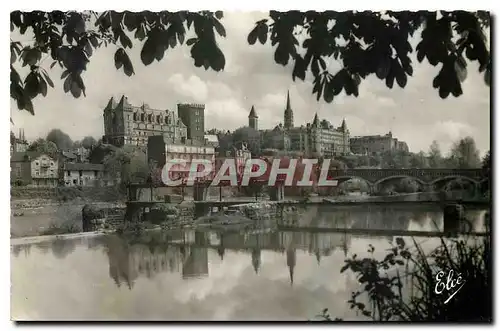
x=386, y=294
x=369, y=43
x=67, y=38
x=365, y=43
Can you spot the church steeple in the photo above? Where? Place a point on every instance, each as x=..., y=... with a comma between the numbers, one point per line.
x=343, y=126
x=253, y=119
x=315, y=120
x=288, y=113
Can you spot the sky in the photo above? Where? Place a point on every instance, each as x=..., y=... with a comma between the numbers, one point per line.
x=415, y=114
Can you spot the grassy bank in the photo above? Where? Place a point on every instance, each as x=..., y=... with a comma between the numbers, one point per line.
x=63, y=194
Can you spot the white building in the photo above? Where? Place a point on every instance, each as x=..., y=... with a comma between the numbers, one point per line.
x=83, y=174
x=44, y=170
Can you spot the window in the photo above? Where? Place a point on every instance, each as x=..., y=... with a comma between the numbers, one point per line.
x=95, y=173
x=135, y=116
x=142, y=117
x=80, y=173
x=36, y=163
x=158, y=119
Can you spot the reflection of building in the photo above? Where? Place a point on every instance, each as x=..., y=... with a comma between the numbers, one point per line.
x=127, y=263
x=196, y=263
x=377, y=144
x=291, y=261
x=256, y=259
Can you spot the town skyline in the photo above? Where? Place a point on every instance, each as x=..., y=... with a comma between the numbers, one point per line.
x=262, y=125
x=415, y=114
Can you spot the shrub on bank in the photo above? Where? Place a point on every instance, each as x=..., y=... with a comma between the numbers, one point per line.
x=56, y=229
x=390, y=299
x=64, y=194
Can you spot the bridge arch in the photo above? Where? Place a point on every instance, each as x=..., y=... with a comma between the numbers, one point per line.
x=455, y=177
x=343, y=179
x=418, y=180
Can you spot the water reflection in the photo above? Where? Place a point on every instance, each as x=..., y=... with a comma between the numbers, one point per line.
x=202, y=274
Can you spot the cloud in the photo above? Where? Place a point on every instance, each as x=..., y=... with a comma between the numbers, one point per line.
x=251, y=77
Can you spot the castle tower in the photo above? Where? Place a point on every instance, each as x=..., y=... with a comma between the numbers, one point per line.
x=193, y=116
x=288, y=113
x=253, y=119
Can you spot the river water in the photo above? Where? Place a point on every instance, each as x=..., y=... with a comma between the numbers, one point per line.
x=206, y=275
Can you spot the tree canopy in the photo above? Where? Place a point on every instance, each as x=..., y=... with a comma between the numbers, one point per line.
x=43, y=146
x=364, y=43
x=61, y=139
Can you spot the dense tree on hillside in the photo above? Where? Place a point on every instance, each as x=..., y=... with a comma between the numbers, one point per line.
x=249, y=136
x=60, y=138
x=364, y=43
x=128, y=164
x=43, y=146
x=464, y=154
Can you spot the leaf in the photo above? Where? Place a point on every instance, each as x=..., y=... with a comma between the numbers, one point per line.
x=219, y=14
x=118, y=58
x=47, y=78
x=400, y=242
x=191, y=41
x=344, y=268
x=75, y=89
x=67, y=84
x=31, y=85
x=328, y=93
x=149, y=49
x=219, y=28
x=125, y=40
x=401, y=79
x=128, y=68
x=43, y=87
x=252, y=36
x=53, y=64
x=461, y=69
x=262, y=33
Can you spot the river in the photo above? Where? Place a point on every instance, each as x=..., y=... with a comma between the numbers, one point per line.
x=194, y=275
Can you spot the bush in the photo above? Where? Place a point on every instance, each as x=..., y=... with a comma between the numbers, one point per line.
x=56, y=229
x=469, y=257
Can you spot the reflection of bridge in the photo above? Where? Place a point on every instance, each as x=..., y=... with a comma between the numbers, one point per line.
x=427, y=178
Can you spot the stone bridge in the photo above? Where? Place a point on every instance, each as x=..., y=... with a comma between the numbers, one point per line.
x=425, y=177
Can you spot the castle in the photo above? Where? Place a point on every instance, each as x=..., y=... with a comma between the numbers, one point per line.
x=125, y=124
x=317, y=137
